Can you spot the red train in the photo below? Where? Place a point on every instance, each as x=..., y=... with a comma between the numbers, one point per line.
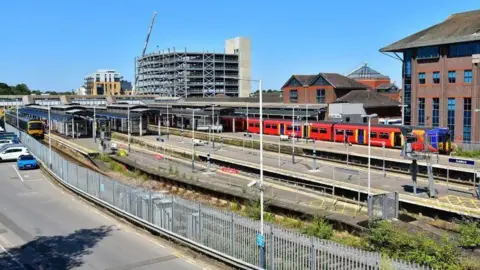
x=357, y=133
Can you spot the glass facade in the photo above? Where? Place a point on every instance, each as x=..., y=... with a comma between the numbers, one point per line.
x=428, y=52
x=293, y=96
x=320, y=81
x=464, y=49
x=436, y=77
x=421, y=111
x=435, y=112
x=421, y=78
x=451, y=116
x=452, y=76
x=467, y=76
x=467, y=120
x=320, y=95
x=407, y=86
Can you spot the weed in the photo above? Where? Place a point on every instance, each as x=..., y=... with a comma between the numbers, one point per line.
x=319, y=228
x=470, y=234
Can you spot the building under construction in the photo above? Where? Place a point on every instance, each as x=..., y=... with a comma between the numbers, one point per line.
x=176, y=73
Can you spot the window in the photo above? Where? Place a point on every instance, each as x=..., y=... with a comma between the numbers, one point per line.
x=251, y=125
x=323, y=130
x=452, y=76
x=428, y=52
x=421, y=111
x=467, y=120
x=257, y=125
x=421, y=78
x=320, y=81
x=407, y=85
x=383, y=135
x=347, y=119
x=321, y=96
x=373, y=134
x=267, y=126
x=436, y=77
x=349, y=132
x=289, y=127
x=274, y=125
x=435, y=112
x=339, y=132
x=293, y=96
x=467, y=76
x=314, y=129
x=464, y=49
x=451, y=116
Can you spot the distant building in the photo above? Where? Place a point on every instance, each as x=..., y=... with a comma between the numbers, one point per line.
x=376, y=81
x=82, y=91
x=125, y=87
x=103, y=82
x=185, y=74
x=441, y=75
x=321, y=88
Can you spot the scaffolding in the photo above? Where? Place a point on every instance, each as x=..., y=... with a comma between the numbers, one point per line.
x=172, y=73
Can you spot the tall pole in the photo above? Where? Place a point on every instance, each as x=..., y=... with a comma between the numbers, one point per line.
x=193, y=140
x=369, y=120
x=128, y=127
x=5, y=117
x=247, y=117
x=17, y=114
x=262, y=248
x=49, y=138
x=94, y=124
x=168, y=124
x=293, y=135
x=213, y=120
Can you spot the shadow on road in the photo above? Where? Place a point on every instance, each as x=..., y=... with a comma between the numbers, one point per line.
x=54, y=252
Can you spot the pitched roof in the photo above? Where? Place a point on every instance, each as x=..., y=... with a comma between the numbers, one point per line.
x=459, y=27
x=370, y=99
x=304, y=79
x=341, y=82
x=386, y=86
x=366, y=72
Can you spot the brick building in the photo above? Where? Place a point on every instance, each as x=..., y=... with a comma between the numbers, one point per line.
x=321, y=88
x=441, y=75
x=375, y=81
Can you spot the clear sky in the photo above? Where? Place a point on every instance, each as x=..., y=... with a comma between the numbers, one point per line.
x=53, y=44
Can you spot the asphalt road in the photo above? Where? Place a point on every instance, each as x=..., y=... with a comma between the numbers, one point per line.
x=44, y=227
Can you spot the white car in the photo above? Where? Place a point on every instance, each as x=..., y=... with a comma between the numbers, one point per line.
x=4, y=142
x=13, y=153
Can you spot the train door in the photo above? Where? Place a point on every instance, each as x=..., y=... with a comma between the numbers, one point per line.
x=305, y=131
x=397, y=139
x=360, y=136
x=282, y=129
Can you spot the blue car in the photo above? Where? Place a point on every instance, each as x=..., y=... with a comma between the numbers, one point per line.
x=27, y=162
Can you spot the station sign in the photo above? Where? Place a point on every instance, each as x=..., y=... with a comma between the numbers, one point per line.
x=229, y=170
x=260, y=240
x=461, y=161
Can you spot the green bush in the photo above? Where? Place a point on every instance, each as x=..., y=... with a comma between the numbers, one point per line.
x=319, y=228
x=413, y=246
x=470, y=234
x=458, y=151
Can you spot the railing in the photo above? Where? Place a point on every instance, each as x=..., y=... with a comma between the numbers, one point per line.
x=220, y=234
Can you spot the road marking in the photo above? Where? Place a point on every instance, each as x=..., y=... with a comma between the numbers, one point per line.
x=191, y=261
x=178, y=254
x=15, y=168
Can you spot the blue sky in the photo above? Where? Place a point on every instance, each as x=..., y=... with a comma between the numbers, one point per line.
x=52, y=45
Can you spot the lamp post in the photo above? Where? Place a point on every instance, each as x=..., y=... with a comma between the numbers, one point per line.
x=192, y=123
x=247, y=117
x=403, y=106
x=369, y=116
x=168, y=124
x=94, y=125
x=128, y=127
x=293, y=133
x=49, y=138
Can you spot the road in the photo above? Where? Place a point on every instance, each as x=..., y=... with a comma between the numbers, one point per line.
x=44, y=227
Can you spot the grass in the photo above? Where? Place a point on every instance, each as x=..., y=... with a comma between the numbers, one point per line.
x=459, y=151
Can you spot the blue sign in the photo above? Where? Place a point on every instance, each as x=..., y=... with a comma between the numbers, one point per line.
x=461, y=161
x=260, y=240
x=102, y=188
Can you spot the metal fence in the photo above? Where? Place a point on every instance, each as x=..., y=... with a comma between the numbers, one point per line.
x=223, y=231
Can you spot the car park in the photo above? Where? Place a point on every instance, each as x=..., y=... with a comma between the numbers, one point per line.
x=27, y=162
x=13, y=153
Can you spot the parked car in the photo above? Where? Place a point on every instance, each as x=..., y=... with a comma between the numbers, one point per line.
x=8, y=145
x=5, y=141
x=27, y=162
x=13, y=153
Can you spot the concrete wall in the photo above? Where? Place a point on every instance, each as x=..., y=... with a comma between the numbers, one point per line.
x=242, y=47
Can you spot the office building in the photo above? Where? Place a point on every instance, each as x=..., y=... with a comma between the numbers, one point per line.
x=441, y=75
x=103, y=82
x=177, y=73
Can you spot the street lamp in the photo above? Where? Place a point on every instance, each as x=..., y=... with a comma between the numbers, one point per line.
x=94, y=124
x=369, y=116
x=403, y=106
x=49, y=138
x=192, y=123
x=128, y=127
x=293, y=132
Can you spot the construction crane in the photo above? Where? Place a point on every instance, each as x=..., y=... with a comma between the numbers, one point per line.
x=144, y=50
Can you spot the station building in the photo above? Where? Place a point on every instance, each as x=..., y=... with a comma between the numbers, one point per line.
x=441, y=75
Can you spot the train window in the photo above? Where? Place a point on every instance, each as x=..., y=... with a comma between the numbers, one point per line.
x=257, y=125
x=383, y=135
x=323, y=130
x=314, y=129
x=289, y=127
x=349, y=132
x=250, y=124
x=274, y=126
x=297, y=128
x=373, y=134
x=267, y=126
x=339, y=131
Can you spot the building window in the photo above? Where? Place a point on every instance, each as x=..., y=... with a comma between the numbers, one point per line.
x=407, y=85
x=421, y=78
x=467, y=120
x=293, y=96
x=428, y=52
x=421, y=111
x=321, y=96
x=436, y=77
x=435, y=112
x=464, y=49
x=452, y=76
x=467, y=76
x=451, y=116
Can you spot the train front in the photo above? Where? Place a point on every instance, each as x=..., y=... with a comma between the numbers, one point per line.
x=36, y=129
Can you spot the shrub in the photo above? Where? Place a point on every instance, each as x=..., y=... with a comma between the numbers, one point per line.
x=470, y=234
x=319, y=228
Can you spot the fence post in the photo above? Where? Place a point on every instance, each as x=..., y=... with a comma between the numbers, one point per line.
x=113, y=192
x=313, y=259
x=272, y=249
x=86, y=176
x=200, y=222
x=76, y=170
x=173, y=214
x=150, y=208
x=232, y=243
